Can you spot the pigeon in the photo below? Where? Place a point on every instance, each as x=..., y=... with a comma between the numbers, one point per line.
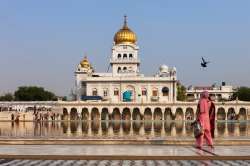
x=204, y=63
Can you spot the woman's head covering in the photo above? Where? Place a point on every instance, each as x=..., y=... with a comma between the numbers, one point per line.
x=204, y=94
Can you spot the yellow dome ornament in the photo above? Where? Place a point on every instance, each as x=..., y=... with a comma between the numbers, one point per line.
x=85, y=63
x=125, y=35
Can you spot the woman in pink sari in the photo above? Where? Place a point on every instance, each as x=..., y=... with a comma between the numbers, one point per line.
x=203, y=118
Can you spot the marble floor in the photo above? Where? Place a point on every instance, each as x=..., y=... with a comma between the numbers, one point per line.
x=4, y=162
x=118, y=152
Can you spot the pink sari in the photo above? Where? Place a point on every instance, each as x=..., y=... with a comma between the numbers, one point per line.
x=203, y=117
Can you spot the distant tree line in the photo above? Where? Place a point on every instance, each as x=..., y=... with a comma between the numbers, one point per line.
x=242, y=93
x=29, y=93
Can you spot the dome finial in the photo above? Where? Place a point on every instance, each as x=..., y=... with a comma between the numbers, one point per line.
x=125, y=21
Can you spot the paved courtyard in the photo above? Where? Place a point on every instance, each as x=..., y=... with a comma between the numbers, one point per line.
x=122, y=152
x=5, y=162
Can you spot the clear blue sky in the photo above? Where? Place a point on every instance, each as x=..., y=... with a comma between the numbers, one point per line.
x=41, y=42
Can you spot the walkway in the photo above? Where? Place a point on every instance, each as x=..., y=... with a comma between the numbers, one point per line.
x=5, y=162
x=122, y=152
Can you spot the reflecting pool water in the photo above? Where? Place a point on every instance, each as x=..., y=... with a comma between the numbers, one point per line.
x=116, y=129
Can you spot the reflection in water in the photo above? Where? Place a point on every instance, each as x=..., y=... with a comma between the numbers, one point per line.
x=231, y=129
x=115, y=129
x=157, y=128
x=126, y=127
x=105, y=127
x=136, y=127
x=73, y=127
x=95, y=127
x=147, y=127
x=168, y=126
x=85, y=127
x=179, y=127
x=221, y=127
x=243, y=129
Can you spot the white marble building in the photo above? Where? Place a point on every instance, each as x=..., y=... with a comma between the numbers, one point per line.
x=218, y=93
x=125, y=83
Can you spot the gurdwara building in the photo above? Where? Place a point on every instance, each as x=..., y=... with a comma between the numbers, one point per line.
x=125, y=82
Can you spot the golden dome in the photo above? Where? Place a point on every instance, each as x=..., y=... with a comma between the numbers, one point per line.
x=125, y=35
x=85, y=63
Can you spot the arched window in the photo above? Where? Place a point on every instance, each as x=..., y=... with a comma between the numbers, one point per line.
x=125, y=56
x=144, y=92
x=116, y=92
x=124, y=68
x=119, y=56
x=130, y=56
x=105, y=92
x=94, y=92
x=119, y=70
x=155, y=92
x=165, y=91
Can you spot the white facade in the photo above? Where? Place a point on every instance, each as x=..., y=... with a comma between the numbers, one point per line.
x=125, y=83
x=217, y=93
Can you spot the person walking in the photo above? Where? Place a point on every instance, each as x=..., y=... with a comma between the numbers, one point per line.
x=212, y=116
x=203, y=117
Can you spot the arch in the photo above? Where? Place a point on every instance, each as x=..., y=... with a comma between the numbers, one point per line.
x=73, y=114
x=130, y=56
x=157, y=114
x=168, y=114
x=95, y=115
x=125, y=56
x=105, y=114
x=221, y=114
x=136, y=115
x=119, y=56
x=231, y=114
x=147, y=114
x=85, y=114
x=242, y=114
x=125, y=68
x=119, y=69
x=65, y=114
x=165, y=91
x=126, y=115
x=189, y=114
x=179, y=114
x=116, y=115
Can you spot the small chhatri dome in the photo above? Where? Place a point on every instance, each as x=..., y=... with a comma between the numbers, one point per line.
x=125, y=35
x=85, y=62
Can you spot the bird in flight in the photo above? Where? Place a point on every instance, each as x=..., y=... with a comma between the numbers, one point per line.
x=204, y=63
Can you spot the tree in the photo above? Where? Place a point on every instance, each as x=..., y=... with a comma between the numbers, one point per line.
x=242, y=93
x=181, y=92
x=7, y=97
x=33, y=93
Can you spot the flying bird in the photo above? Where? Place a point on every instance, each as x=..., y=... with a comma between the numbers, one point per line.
x=204, y=63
